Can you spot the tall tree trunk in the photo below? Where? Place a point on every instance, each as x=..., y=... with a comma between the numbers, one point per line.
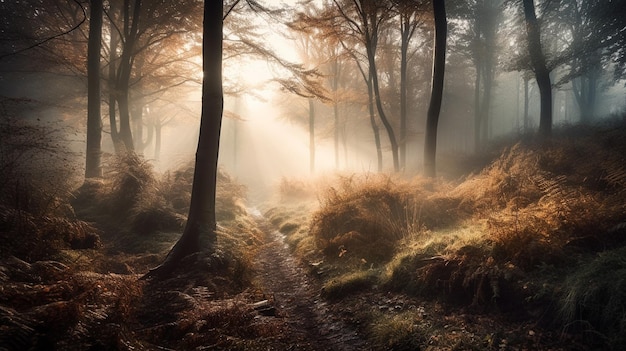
x=137, y=109
x=405, y=29
x=371, y=43
x=125, y=134
x=526, y=100
x=124, y=72
x=477, y=114
x=486, y=101
x=311, y=136
x=158, y=127
x=94, y=122
x=538, y=62
x=439, y=62
x=114, y=41
x=335, y=86
x=336, y=115
x=201, y=222
x=375, y=130
x=379, y=108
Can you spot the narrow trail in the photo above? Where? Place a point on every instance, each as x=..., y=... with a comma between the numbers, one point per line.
x=310, y=325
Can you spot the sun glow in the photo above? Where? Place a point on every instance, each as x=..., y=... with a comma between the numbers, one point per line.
x=263, y=147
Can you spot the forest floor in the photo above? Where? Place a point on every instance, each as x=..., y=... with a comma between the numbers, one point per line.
x=307, y=322
x=54, y=305
x=376, y=318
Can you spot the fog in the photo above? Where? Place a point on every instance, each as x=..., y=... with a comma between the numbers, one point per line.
x=261, y=148
x=265, y=130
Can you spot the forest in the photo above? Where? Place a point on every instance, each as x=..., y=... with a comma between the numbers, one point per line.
x=313, y=175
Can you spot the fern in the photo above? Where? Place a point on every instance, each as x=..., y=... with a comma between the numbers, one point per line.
x=555, y=188
x=615, y=175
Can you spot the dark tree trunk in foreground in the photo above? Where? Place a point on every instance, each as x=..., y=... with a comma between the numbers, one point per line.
x=201, y=222
x=538, y=61
x=439, y=62
x=94, y=122
x=405, y=35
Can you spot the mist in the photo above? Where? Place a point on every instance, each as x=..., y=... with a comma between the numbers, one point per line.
x=296, y=204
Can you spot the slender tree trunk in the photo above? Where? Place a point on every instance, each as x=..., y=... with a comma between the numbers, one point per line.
x=486, y=103
x=404, y=48
x=526, y=100
x=439, y=61
x=137, y=109
x=335, y=86
x=538, y=61
x=336, y=115
x=371, y=42
x=375, y=130
x=477, y=113
x=158, y=127
x=344, y=143
x=114, y=41
x=125, y=134
x=94, y=121
x=311, y=136
x=381, y=112
x=201, y=223
x=124, y=72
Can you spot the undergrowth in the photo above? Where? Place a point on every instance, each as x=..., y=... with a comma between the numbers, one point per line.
x=501, y=240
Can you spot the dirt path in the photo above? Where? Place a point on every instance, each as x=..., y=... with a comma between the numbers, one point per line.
x=309, y=324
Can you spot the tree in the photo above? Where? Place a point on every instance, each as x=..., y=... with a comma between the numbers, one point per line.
x=201, y=221
x=122, y=82
x=485, y=19
x=538, y=62
x=439, y=62
x=409, y=19
x=366, y=21
x=94, y=123
x=332, y=28
x=148, y=40
x=611, y=20
x=594, y=43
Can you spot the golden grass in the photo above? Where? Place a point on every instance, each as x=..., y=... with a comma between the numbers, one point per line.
x=346, y=284
x=402, y=331
x=475, y=242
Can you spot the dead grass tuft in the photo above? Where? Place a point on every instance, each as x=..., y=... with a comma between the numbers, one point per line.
x=38, y=238
x=294, y=189
x=364, y=218
x=132, y=181
x=349, y=283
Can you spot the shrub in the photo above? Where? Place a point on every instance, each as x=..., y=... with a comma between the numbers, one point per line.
x=34, y=238
x=365, y=218
x=132, y=181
